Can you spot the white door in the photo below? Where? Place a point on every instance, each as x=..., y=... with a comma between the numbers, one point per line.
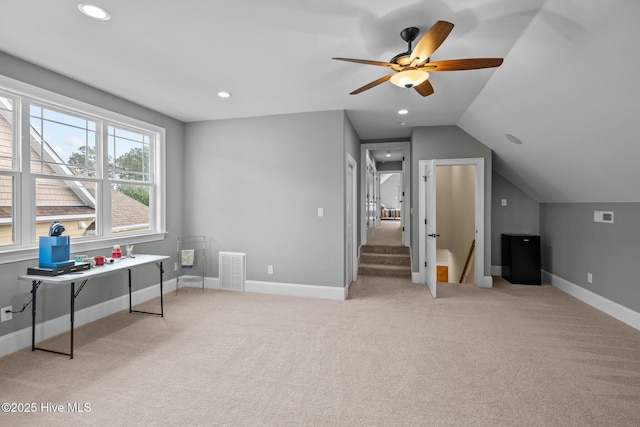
x=430, y=226
x=371, y=173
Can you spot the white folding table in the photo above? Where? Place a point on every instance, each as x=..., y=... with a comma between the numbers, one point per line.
x=83, y=277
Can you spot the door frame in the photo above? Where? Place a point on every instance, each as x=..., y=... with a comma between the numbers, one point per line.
x=405, y=146
x=479, y=215
x=351, y=187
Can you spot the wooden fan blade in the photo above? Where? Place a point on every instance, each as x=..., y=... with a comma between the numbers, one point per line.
x=372, y=84
x=462, y=64
x=431, y=40
x=366, y=61
x=424, y=88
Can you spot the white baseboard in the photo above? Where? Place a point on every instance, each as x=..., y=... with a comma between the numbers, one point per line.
x=18, y=340
x=487, y=282
x=275, y=288
x=296, y=290
x=416, y=278
x=496, y=270
x=613, y=309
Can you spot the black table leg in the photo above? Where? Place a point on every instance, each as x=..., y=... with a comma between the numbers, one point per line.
x=161, y=314
x=73, y=310
x=34, y=291
x=72, y=305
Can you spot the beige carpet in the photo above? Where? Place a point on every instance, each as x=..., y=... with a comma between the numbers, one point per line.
x=388, y=232
x=389, y=356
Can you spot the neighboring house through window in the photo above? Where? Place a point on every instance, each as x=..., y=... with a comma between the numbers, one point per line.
x=98, y=173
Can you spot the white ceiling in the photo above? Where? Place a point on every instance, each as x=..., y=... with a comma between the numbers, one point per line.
x=567, y=86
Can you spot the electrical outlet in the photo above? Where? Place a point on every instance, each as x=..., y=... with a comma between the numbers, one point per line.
x=320, y=211
x=504, y=202
x=6, y=313
x=589, y=278
x=175, y=266
x=269, y=269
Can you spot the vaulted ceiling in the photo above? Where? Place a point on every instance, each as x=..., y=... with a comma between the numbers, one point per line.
x=566, y=90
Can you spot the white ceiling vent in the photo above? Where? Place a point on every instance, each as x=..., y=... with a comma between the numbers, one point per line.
x=603, y=216
x=232, y=270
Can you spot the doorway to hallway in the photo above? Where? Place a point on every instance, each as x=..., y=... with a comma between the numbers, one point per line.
x=385, y=158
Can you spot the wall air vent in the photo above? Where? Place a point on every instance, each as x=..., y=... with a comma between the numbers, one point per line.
x=603, y=216
x=232, y=270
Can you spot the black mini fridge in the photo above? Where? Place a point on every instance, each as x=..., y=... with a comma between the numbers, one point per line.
x=521, y=259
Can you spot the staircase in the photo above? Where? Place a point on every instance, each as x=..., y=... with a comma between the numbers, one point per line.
x=385, y=260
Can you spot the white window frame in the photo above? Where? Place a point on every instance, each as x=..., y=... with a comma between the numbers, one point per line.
x=24, y=246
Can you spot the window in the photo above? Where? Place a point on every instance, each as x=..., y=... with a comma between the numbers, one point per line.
x=97, y=172
x=7, y=167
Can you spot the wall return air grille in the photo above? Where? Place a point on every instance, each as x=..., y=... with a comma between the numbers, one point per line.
x=232, y=270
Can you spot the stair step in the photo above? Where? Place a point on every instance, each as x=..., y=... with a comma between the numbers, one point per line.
x=385, y=259
x=384, y=249
x=384, y=270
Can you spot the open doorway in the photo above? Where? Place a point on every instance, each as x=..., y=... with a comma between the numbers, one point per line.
x=455, y=216
x=430, y=229
x=390, y=196
x=385, y=161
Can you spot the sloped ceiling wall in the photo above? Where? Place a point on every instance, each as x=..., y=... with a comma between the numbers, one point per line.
x=569, y=91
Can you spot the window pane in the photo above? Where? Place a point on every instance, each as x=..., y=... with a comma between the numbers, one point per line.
x=72, y=203
x=129, y=208
x=7, y=118
x=6, y=210
x=129, y=155
x=64, y=144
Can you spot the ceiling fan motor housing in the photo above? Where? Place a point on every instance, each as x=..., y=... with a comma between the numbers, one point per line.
x=409, y=35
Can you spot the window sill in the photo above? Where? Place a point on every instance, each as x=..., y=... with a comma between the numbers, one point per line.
x=81, y=246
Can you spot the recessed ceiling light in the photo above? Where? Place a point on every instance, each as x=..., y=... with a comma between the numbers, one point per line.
x=224, y=94
x=93, y=11
x=403, y=123
x=403, y=111
x=388, y=154
x=513, y=138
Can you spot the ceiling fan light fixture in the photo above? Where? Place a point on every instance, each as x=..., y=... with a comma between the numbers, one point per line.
x=409, y=78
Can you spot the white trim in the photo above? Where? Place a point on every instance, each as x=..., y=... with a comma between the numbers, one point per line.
x=288, y=289
x=18, y=340
x=405, y=146
x=496, y=270
x=353, y=165
x=30, y=252
x=297, y=290
x=487, y=282
x=620, y=312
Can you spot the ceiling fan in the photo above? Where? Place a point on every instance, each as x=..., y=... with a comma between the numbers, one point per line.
x=412, y=68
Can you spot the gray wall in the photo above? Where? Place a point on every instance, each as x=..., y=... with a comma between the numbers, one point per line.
x=447, y=142
x=388, y=166
x=389, y=191
x=520, y=216
x=254, y=185
x=54, y=301
x=573, y=245
x=352, y=147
